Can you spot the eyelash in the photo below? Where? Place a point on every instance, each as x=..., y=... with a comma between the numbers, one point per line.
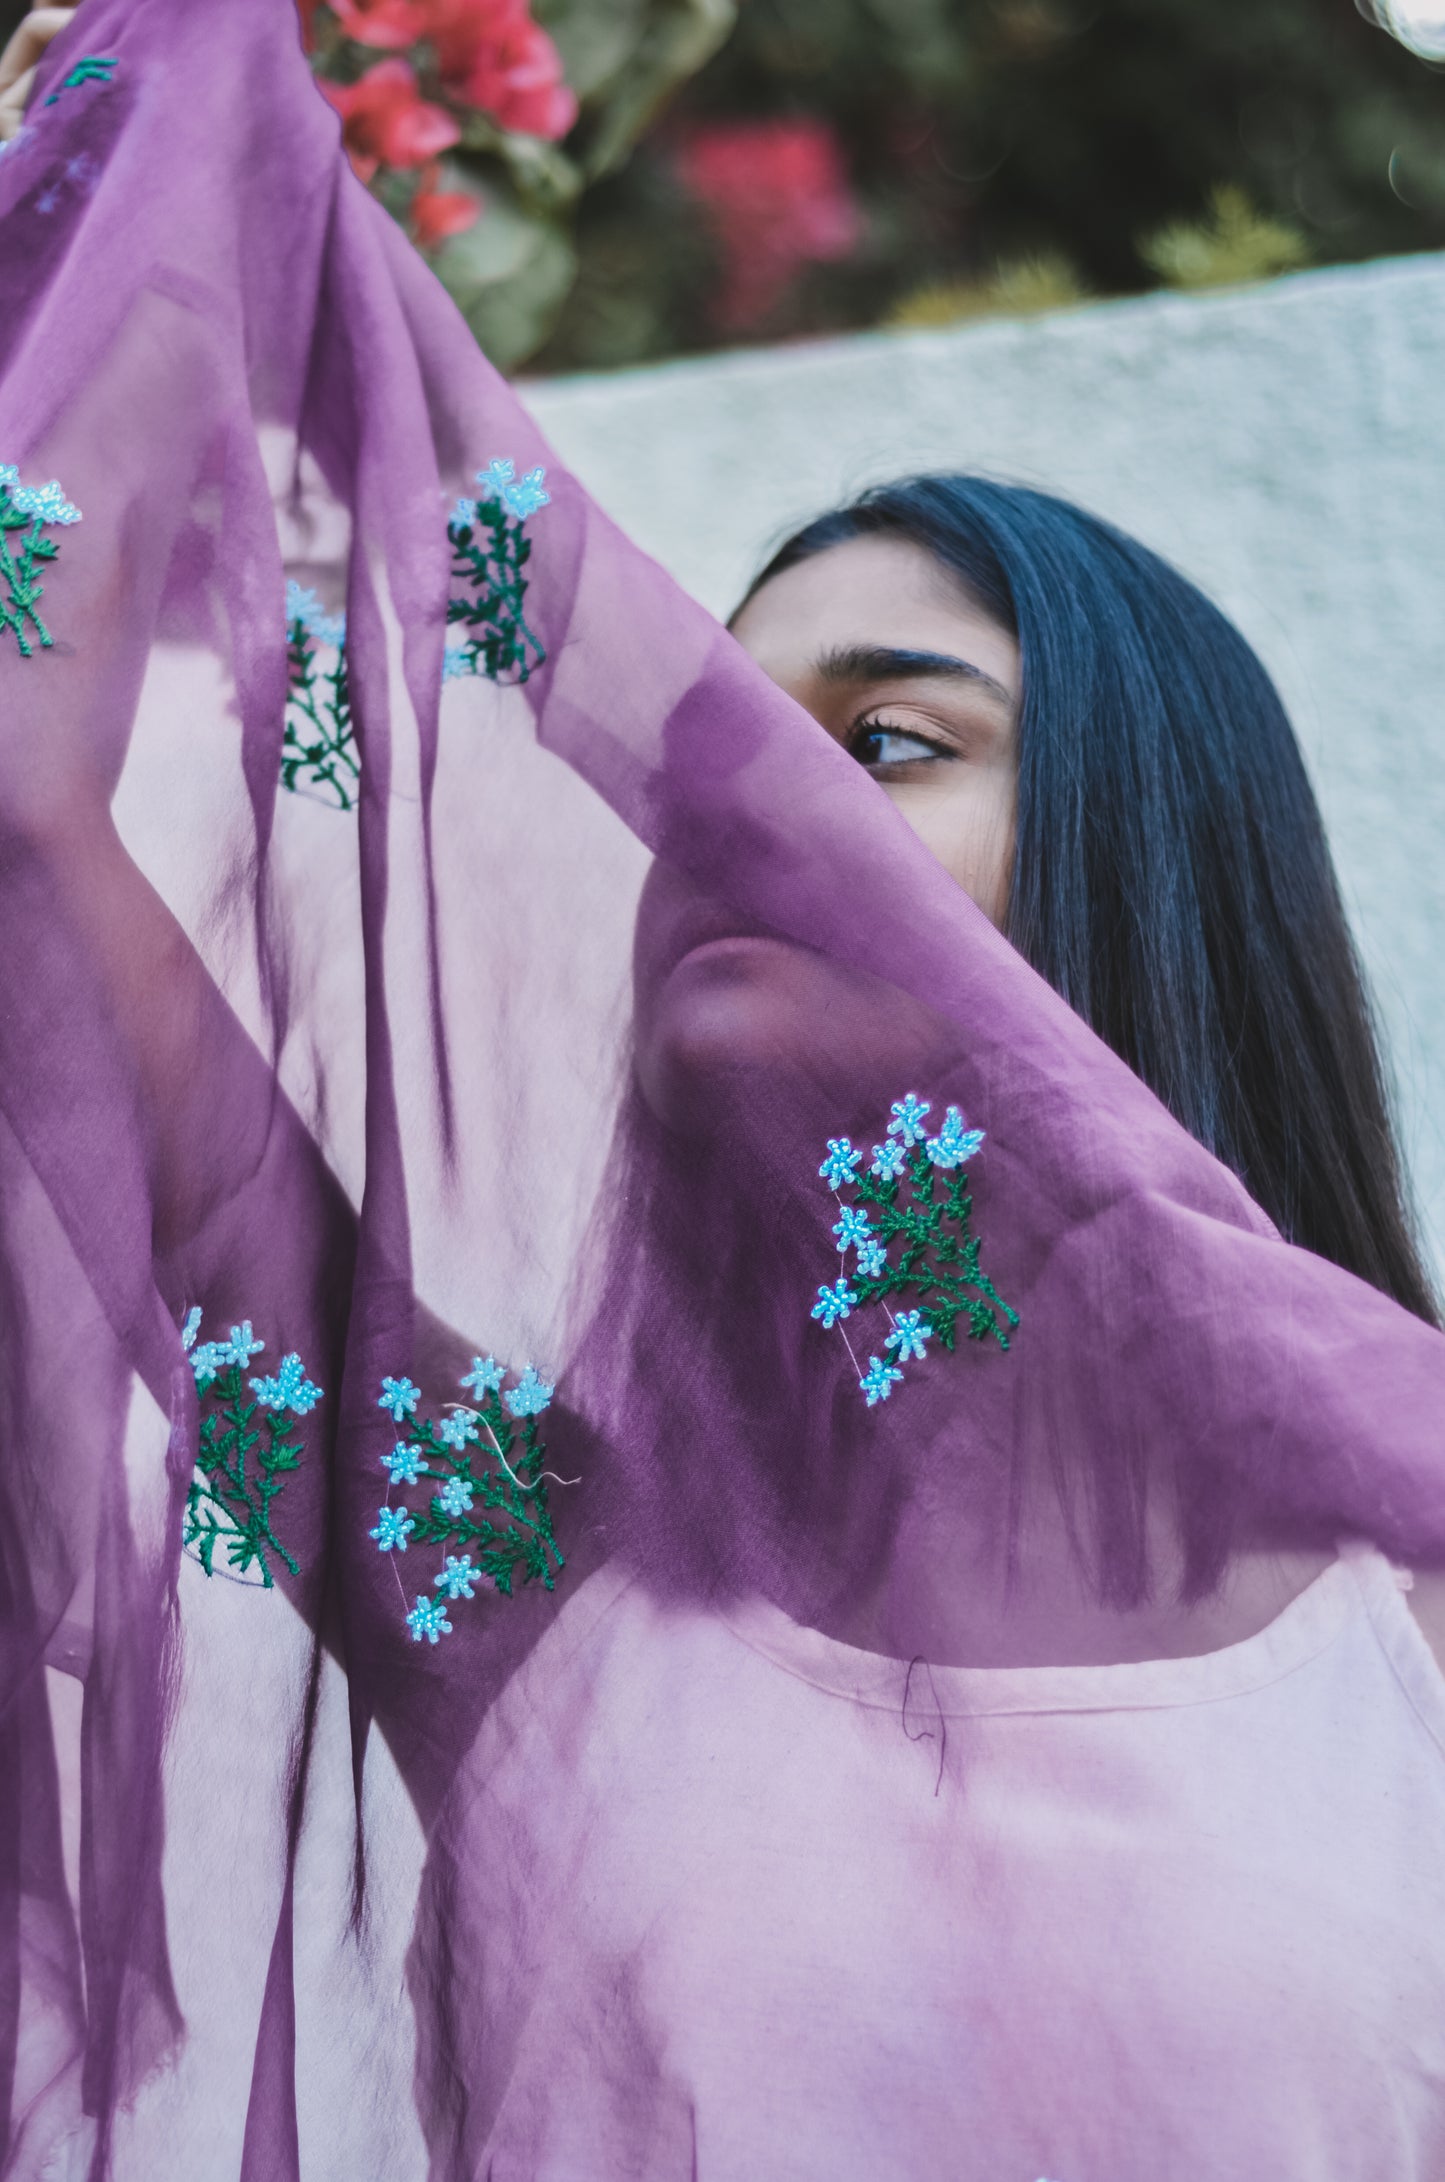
x=873, y=728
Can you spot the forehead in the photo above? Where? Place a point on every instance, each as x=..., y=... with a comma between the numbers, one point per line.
x=879, y=591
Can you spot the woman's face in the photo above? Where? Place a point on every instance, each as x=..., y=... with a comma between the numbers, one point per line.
x=899, y=663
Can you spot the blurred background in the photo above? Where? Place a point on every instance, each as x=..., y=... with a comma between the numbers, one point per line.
x=609, y=182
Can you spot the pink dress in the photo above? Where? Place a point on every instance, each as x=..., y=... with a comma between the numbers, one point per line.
x=1182, y=1919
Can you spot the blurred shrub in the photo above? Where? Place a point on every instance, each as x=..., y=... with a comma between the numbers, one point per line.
x=1002, y=155
x=1020, y=289
x=480, y=123
x=1235, y=243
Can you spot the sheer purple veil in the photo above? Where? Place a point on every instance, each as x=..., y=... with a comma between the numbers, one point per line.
x=507, y=1087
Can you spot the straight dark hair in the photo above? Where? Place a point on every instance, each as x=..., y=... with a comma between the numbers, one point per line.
x=1171, y=876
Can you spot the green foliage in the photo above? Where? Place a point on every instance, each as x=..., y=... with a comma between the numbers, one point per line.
x=982, y=135
x=1234, y=244
x=245, y=1455
x=1020, y=288
x=511, y=273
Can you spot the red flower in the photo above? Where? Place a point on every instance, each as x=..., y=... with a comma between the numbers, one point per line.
x=777, y=198
x=386, y=122
x=515, y=74
x=391, y=24
x=437, y=213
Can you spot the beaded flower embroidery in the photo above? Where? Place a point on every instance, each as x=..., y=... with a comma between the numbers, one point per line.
x=318, y=746
x=27, y=512
x=910, y=1234
x=247, y=1450
x=487, y=632
x=489, y=552
x=486, y=1492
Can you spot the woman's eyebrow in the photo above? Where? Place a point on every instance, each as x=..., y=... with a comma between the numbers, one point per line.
x=883, y=663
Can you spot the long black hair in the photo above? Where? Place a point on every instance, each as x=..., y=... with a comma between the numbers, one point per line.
x=1171, y=876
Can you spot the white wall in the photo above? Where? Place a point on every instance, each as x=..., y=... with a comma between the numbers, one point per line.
x=1284, y=445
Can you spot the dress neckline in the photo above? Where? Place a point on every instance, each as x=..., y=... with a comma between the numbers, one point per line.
x=1357, y=1581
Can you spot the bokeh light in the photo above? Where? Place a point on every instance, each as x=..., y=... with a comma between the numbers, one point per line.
x=1418, y=24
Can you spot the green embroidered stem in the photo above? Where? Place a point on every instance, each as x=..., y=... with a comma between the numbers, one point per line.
x=18, y=569
x=94, y=68
x=509, y=1522
x=318, y=748
x=924, y=1271
x=490, y=549
x=245, y=1454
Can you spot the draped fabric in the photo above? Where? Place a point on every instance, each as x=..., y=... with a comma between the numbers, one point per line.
x=528, y=1057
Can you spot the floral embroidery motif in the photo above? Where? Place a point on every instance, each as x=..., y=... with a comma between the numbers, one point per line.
x=909, y=1229
x=246, y=1452
x=94, y=68
x=318, y=747
x=489, y=552
x=487, y=632
x=26, y=513
x=486, y=1500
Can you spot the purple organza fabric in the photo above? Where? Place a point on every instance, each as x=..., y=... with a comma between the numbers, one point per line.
x=534, y=1056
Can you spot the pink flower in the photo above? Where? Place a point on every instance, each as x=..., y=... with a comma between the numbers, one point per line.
x=438, y=213
x=386, y=121
x=391, y=24
x=515, y=75
x=777, y=197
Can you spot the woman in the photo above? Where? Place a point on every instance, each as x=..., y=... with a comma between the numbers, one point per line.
x=1016, y=1836
x=816, y=1831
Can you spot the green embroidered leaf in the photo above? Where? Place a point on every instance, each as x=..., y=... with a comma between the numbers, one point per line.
x=318, y=749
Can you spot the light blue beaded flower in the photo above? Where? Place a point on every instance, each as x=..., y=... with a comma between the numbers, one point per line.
x=834, y=1303
x=889, y=1160
x=403, y=1464
x=872, y=1259
x=399, y=1398
x=522, y=498
x=910, y=1330
x=954, y=1144
x=455, y=1497
x=485, y=1376
x=458, y=1578
x=458, y=662
x=304, y=606
x=530, y=1396
x=879, y=1380
x=46, y=502
x=463, y=515
x=454, y=1431
x=428, y=1618
x=394, y=1527
x=907, y=1122
x=839, y=1165
x=852, y=1228
x=289, y=1389
x=243, y=1457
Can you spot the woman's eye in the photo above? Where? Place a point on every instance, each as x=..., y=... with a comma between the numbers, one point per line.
x=876, y=745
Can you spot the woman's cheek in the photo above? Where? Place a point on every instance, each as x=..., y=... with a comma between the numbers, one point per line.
x=968, y=827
